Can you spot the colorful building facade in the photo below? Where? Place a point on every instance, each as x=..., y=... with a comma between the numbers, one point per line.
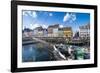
x=84, y=32
x=68, y=33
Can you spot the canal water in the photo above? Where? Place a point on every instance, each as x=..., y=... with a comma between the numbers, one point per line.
x=40, y=52
x=35, y=52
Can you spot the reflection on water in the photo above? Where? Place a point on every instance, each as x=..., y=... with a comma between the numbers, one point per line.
x=40, y=52
x=35, y=52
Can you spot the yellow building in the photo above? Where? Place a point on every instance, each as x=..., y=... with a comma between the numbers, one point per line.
x=68, y=32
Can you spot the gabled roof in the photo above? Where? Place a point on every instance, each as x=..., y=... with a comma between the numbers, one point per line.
x=54, y=26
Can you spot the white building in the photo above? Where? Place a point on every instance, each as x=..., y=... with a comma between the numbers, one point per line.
x=53, y=30
x=84, y=32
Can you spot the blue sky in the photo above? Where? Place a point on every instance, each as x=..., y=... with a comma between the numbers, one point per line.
x=33, y=19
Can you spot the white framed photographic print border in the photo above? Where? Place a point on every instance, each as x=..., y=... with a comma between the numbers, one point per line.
x=17, y=8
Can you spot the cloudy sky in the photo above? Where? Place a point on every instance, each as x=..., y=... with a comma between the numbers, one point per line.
x=33, y=19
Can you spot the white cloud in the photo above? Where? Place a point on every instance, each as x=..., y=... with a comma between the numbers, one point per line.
x=61, y=26
x=44, y=26
x=66, y=17
x=73, y=16
x=24, y=13
x=28, y=12
x=33, y=14
x=50, y=14
x=33, y=26
x=69, y=17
